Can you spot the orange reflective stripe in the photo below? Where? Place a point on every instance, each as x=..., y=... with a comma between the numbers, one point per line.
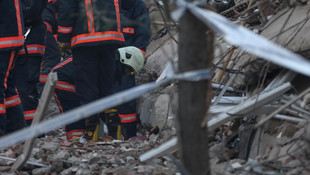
x=19, y=21
x=29, y=115
x=58, y=103
x=90, y=18
x=98, y=36
x=33, y=48
x=65, y=86
x=43, y=78
x=118, y=18
x=142, y=52
x=64, y=29
x=127, y=118
x=48, y=27
x=76, y=133
x=128, y=30
x=9, y=68
x=12, y=101
x=14, y=41
x=2, y=109
x=62, y=64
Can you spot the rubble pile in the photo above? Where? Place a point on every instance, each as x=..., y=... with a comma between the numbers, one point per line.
x=55, y=155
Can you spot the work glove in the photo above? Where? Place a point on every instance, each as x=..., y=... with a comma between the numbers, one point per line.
x=65, y=49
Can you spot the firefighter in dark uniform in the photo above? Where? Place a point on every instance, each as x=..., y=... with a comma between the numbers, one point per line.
x=52, y=55
x=136, y=29
x=92, y=29
x=11, y=40
x=66, y=97
x=65, y=93
x=27, y=68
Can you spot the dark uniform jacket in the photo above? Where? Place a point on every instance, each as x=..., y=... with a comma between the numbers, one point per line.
x=11, y=25
x=50, y=14
x=35, y=41
x=90, y=22
x=136, y=25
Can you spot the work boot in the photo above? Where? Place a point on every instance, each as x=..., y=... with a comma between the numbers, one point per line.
x=113, y=123
x=92, y=128
x=91, y=135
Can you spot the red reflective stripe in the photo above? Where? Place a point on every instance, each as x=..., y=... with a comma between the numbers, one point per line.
x=116, y=4
x=8, y=101
x=127, y=115
x=29, y=118
x=62, y=64
x=43, y=78
x=33, y=48
x=2, y=108
x=76, y=133
x=9, y=68
x=71, y=87
x=64, y=29
x=123, y=117
x=128, y=30
x=12, y=98
x=90, y=18
x=142, y=52
x=128, y=121
x=86, y=38
x=58, y=103
x=14, y=41
x=29, y=112
x=19, y=22
x=49, y=27
x=55, y=36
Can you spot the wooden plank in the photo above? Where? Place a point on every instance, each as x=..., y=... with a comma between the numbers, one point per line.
x=195, y=52
x=42, y=107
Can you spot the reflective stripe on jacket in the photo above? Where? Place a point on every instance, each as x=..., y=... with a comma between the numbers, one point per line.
x=12, y=25
x=88, y=27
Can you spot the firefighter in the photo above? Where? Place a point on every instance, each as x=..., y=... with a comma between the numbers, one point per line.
x=136, y=29
x=51, y=55
x=92, y=29
x=11, y=40
x=66, y=97
x=27, y=67
x=65, y=94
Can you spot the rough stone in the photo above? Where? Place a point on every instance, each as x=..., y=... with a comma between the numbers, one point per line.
x=53, y=146
x=41, y=171
x=161, y=110
x=62, y=154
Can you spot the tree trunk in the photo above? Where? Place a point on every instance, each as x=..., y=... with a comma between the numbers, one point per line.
x=195, y=52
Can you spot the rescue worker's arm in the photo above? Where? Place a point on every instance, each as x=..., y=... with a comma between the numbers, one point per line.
x=66, y=20
x=48, y=16
x=142, y=26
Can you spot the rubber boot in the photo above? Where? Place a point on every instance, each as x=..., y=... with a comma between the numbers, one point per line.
x=92, y=129
x=113, y=123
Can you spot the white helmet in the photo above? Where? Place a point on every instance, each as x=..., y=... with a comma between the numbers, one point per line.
x=131, y=56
